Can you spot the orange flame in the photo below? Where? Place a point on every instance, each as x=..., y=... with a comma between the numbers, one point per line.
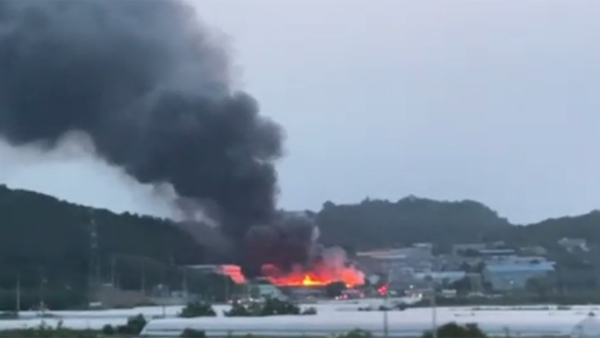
x=307, y=281
x=319, y=277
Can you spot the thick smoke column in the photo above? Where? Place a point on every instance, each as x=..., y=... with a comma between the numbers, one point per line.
x=289, y=240
x=152, y=88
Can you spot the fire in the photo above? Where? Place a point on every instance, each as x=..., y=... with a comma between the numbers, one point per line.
x=307, y=281
x=320, y=276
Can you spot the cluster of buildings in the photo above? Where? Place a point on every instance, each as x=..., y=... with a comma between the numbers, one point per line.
x=474, y=268
x=482, y=266
x=478, y=267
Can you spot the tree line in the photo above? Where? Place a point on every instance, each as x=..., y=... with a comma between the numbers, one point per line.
x=48, y=246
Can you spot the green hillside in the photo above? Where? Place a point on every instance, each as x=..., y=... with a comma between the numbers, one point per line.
x=46, y=243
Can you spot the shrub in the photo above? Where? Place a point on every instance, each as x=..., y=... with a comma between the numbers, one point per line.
x=453, y=330
x=357, y=334
x=271, y=307
x=134, y=326
x=197, y=309
x=191, y=333
x=108, y=330
x=241, y=310
x=45, y=331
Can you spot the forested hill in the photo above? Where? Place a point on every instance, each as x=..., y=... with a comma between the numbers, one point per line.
x=380, y=223
x=39, y=228
x=549, y=231
x=46, y=244
x=36, y=227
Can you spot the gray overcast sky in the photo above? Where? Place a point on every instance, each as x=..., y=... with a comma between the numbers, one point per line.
x=491, y=100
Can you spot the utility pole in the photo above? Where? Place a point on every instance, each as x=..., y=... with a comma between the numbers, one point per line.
x=18, y=300
x=385, y=314
x=433, y=314
x=98, y=277
x=226, y=288
x=184, y=285
x=42, y=285
x=143, y=279
x=113, y=277
x=385, y=305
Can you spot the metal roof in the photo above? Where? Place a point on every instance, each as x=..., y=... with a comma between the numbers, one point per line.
x=542, y=267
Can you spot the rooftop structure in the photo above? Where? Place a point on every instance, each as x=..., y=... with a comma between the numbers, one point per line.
x=232, y=271
x=508, y=276
x=571, y=244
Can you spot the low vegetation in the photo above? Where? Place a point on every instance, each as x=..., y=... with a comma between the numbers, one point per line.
x=46, y=331
x=134, y=327
x=135, y=324
x=356, y=334
x=454, y=330
x=271, y=307
x=197, y=309
x=191, y=333
x=390, y=307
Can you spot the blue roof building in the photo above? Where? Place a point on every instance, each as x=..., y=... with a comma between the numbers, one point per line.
x=512, y=276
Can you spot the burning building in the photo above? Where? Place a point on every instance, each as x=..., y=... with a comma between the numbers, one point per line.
x=330, y=267
x=232, y=271
x=288, y=253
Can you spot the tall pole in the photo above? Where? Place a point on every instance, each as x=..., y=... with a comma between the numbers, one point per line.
x=42, y=289
x=185, y=284
x=18, y=301
x=113, y=270
x=143, y=279
x=385, y=305
x=433, y=314
x=226, y=288
x=385, y=315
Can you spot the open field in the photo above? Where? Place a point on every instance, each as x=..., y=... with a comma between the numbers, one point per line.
x=332, y=317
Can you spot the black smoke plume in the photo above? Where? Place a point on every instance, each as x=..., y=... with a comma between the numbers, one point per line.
x=288, y=241
x=153, y=89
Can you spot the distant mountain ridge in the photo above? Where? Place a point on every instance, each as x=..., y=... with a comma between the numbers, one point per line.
x=371, y=223
x=34, y=223
x=380, y=223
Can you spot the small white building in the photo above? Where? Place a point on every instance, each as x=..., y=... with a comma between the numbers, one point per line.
x=571, y=244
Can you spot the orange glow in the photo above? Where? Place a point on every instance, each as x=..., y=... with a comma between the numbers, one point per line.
x=318, y=277
x=307, y=281
x=234, y=272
